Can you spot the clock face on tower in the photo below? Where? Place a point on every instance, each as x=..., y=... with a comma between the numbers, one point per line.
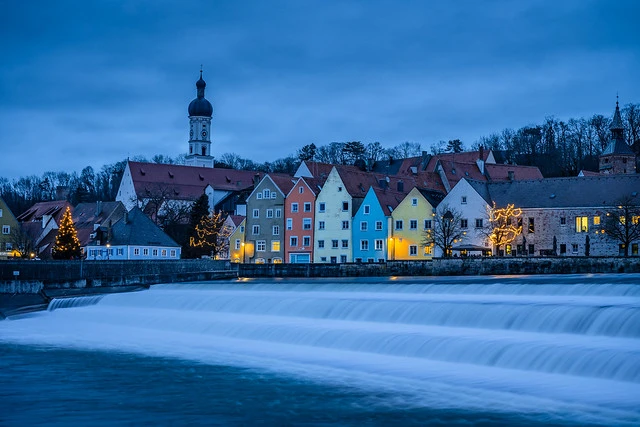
x=204, y=133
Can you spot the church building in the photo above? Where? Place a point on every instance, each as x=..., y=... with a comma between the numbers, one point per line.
x=618, y=157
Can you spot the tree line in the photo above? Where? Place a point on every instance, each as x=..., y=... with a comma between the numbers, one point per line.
x=557, y=147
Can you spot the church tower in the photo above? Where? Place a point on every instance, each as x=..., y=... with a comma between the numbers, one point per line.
x=617, y=158
x=200, y=111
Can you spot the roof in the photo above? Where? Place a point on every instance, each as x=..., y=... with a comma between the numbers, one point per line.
x=136, y=228
x=616, y=122
x=87, y=215
x=187, y=182
x=433, y=197
x=501, y=172
x=585, y=172
x=574, y=192
x=317, y=169
x=283, y=182
x=237, y=219
x=54, y=208
x=618, y=146
x=389, y=200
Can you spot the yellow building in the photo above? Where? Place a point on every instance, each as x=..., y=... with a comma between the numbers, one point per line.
x=410, y=220
x=237, y=249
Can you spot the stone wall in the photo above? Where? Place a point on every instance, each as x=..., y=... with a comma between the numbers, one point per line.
x=450, y=267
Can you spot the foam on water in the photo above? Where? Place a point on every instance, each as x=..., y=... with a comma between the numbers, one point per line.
x=570, y=345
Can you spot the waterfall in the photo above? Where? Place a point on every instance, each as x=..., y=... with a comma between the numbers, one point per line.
x=567, y=344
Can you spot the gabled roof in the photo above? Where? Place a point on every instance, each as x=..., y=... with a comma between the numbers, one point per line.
x=601, y=191
x=87, y=215
x=136, y=228
x=313, y=169
x=187, y=182
x=237, y=219
x=388, y=199
x=501, y=172
x=434, y=197
x=283, y=182
x=313, y=184
x=54, y=208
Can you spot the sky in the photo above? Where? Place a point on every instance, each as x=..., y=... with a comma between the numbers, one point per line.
x=92, y=83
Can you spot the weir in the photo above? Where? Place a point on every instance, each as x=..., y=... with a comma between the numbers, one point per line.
x=563, y=344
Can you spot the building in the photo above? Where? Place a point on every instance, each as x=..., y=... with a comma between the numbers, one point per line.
x=237, y=249
x=561, y=216
x=617, y=157
x=200, y=112
x=41, y=222
x=135, y=237
x=265, y=220
x=9, y=228
x=300, y=205
x=94, y=222
x=409, y=222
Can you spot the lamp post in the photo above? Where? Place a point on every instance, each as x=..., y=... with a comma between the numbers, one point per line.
x=243, y=252
x=108, y=250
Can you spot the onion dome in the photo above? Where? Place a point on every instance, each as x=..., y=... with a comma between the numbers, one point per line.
x=200, y=106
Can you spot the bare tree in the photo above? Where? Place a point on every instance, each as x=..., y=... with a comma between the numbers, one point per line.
x=446, y=230
x=22, y=241
x=623, y=223
x=501, y=227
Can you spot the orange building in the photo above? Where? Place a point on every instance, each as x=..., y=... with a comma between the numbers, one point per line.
x=299, y=208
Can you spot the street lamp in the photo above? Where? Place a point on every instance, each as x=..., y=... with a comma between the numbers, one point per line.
x=243, y=252
x=108, y=250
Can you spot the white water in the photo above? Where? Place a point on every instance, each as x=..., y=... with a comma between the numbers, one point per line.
x=566, y=346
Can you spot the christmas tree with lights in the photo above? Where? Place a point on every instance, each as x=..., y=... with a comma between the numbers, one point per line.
x=67, y=244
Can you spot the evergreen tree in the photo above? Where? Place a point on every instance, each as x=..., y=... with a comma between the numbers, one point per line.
x=67, y=244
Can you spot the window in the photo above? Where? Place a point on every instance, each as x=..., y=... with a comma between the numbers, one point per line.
x=320, y=225
x=306, y=223
x=237, y=245
x=413, y=250
x=574, y=248
x=278, y=213
x=413, y=224
x=364, y=245
x=582, y=224
x=136, y=251
x=345, y=206
x=428, y=250
x=173, y=253
x=399, y=224
x=345, y=225
x=367, y=209
x=273, y=195
x=334, y=260
x=121, y=251
x=289, y=223
x=155, y=252
x=307, y=206
x=145, y=251
x=255, y=229
x=8, y=246
x=479, y=222
x=6, y=229
x=269, y=213
x=596, y=220
x=294, y=207
x=301, y=190
x=378, y=244
x=339, y=189
x=519, y=222
x=293, y=241
x=266, y=193
x=259, y=196
x=164, y=252
x=563, y=220
x=414, y=202
x=345, y=243
x=0, y=213
x=275, y=230
x=532, y=250
x=563, y=248
x=256, y=213
x=532, y=226
x=321, y=206
x=275, y=246
x=634, y=249
x=343, y=258
x=464, y=223
x=323, y=259
x=261, y=245
x=320, y=244
x=378, y=225
x=464, y=200
x=334, y=244
x=364, y=225
x=306, y=241
x=242, y=228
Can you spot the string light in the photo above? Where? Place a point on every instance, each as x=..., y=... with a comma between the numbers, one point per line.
x=67, y=245
x=501, y=220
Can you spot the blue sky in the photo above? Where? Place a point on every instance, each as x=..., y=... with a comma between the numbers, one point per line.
x=90, y=83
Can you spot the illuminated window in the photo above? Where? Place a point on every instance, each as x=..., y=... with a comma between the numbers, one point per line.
x=596, y=220
x=582, y=224
x=275, y=245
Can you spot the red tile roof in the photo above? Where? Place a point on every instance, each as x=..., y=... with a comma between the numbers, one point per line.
x=55, y=208
x=187, y=182
x=237, y=219
x=284, y=182
x=501, y=172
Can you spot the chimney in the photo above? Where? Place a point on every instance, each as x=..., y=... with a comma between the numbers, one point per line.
x=400, y=186
x=511, y=175
x=256, y=179
x=481, y=153
x=98, y=207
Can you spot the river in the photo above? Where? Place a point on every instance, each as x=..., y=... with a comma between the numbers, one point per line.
x=520, y=350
